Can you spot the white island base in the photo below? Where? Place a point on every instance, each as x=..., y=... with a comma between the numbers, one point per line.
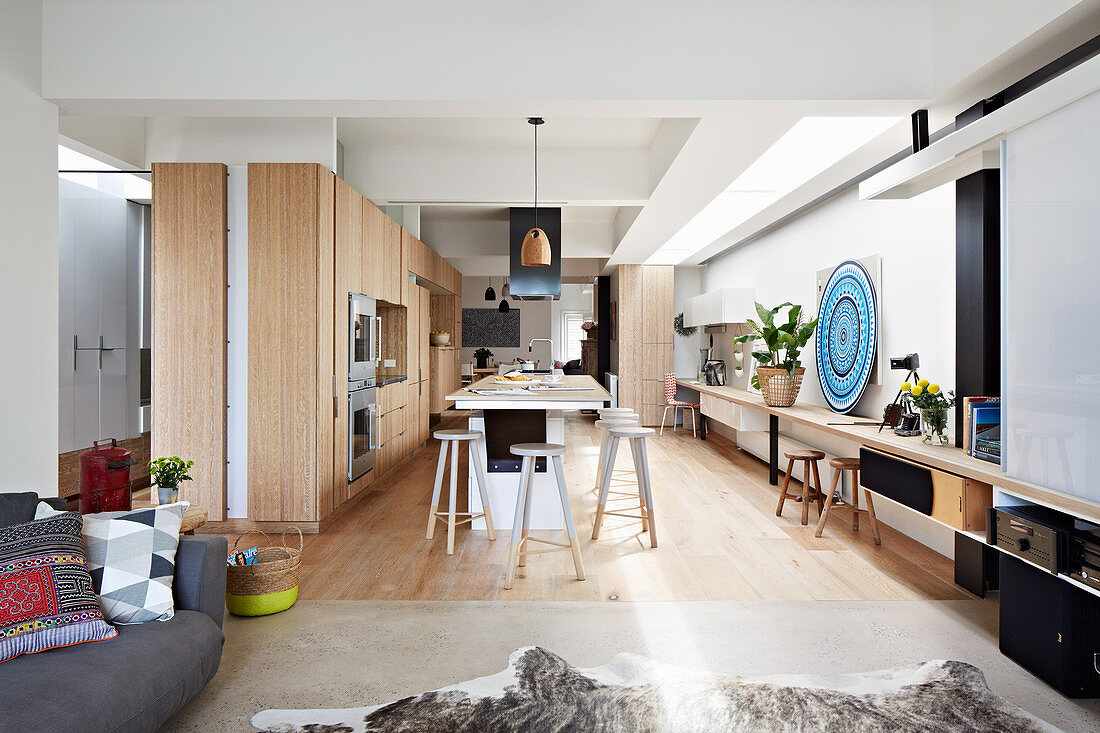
x=504, y=487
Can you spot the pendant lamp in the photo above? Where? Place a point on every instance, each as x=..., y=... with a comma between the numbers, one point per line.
x=503, y=307
x=490, y=294
x=536, y=247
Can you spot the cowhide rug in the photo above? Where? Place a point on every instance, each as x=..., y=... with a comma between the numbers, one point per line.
x=542, y=692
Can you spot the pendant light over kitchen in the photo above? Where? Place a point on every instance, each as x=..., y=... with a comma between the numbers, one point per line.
x=490, y=294
x=536, y=247
x=504, y=307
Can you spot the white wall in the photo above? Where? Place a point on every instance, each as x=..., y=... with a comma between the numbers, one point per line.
x=916, y=240
x=687, y=283
x=28, y=259
x=534, y=322
x=241, y=140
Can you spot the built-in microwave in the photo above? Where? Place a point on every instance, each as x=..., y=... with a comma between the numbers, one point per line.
x=364, y=338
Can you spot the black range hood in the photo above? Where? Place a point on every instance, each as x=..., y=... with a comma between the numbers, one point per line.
x=534, y=283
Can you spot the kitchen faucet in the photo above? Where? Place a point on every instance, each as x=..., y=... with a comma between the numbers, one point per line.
x=531, y=345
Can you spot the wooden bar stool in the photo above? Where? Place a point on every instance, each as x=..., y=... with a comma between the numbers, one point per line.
x=521, y=525
x=637, y=437
x=453, y=438
x=809, y=492
x=832, y=501
x=603, y=424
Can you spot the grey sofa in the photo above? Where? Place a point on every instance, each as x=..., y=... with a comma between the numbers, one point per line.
x=136, y=681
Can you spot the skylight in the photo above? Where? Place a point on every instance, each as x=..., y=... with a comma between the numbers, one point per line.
x=811, y=146
x=123, y=185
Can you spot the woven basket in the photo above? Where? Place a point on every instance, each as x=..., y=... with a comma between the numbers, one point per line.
x=268, y=586
x=779, y=387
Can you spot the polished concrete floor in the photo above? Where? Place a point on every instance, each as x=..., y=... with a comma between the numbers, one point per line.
x=352, y=653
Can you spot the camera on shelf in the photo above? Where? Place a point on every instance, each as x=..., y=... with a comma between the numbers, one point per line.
x=909, y=362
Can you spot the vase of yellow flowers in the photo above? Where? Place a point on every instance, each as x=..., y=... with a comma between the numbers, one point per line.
x=933, y=405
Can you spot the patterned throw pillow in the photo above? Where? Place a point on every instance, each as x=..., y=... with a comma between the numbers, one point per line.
x=46, y=595
x=132, y=561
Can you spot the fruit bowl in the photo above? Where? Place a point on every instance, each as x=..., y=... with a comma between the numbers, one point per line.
x=440, y=339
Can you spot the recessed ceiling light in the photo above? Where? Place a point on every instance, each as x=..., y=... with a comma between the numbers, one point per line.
x=810, y=147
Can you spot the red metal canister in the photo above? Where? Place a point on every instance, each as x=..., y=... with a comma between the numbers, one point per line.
x=105, y=478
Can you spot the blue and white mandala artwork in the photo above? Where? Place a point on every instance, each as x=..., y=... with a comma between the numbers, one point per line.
x=847, y=335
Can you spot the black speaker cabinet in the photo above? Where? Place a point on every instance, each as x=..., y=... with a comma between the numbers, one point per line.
x=1050, y=628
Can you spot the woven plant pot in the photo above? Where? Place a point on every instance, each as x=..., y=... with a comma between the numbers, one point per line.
x=779, y=387
x=269, y=586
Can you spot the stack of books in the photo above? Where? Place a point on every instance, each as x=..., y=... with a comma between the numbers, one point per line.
x=982, y=428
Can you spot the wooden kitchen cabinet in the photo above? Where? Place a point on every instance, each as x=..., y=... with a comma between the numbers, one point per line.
x=444, y=376
x=392, y=271
x=374, y=242
x=291, y=246
x=644, y=298
x=425, y=331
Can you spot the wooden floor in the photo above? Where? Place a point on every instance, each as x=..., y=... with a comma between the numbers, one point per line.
x=718, y=533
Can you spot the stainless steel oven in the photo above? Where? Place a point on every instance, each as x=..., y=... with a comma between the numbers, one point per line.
x=362, y=427
x=364, y=338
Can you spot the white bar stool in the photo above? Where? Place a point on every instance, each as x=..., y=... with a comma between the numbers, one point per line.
x=454, y=437
x=637, y=437
x=520, y=526
x=615, y=411
x=603, y=425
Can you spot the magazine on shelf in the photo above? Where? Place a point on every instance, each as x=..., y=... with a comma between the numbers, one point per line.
x=968, y=406
x=985, y=431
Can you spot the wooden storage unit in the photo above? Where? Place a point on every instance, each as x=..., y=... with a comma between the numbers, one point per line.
x=290, y=342
x=644, y=340
x=445, y=378
x=955, y=500
x=189, y=280
x=392, y=270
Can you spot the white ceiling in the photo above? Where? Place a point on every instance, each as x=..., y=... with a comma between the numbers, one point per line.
x=648, y=118
x=559, y=132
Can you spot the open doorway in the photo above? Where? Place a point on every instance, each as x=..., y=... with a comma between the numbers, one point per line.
x=104, y=235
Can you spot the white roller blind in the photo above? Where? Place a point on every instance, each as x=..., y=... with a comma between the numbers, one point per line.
x=1051, y=294
x=572, y=334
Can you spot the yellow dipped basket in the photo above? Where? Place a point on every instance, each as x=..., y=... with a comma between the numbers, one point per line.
x=270, y=585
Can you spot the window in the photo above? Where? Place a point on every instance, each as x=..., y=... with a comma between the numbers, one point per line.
x=572, y=334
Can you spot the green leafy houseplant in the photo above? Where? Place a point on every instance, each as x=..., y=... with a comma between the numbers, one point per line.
x=933, y=406
x=167, y=474
x=784, y=340
x=482, y=356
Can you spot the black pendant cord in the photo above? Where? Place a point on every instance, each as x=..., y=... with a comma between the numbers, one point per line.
x=536, y=176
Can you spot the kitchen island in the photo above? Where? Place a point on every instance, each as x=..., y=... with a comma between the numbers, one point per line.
x=524, y=414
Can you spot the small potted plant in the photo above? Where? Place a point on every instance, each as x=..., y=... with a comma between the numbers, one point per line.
x=482, y=357
x=590, y=329
x=779, y=375
x=167, y=473
x=933, y=406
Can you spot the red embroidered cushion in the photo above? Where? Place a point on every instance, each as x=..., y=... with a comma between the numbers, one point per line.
x=46, y=596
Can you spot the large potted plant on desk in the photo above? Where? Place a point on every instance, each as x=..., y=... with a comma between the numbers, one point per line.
x=779, y=374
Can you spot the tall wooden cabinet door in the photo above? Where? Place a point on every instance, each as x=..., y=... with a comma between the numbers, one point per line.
x=425, y=330
x=374, y=239
x=324, y=499
x=657, y=283
x=349, y=239
x=189, y=276
x=412, y=334
x=392, y=261
x=290, y=215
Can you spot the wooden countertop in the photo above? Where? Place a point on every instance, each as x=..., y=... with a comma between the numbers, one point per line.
x=563, y=398
x=947, y=457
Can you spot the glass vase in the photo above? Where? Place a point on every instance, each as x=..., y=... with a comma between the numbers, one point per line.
x=933, y=425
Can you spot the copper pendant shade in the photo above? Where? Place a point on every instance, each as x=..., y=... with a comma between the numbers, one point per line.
x=536, y=246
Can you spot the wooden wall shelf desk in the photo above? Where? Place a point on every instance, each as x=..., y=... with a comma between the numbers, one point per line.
x=946, y=458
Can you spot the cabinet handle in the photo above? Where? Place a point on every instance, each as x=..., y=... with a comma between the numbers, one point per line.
x=960, y=505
